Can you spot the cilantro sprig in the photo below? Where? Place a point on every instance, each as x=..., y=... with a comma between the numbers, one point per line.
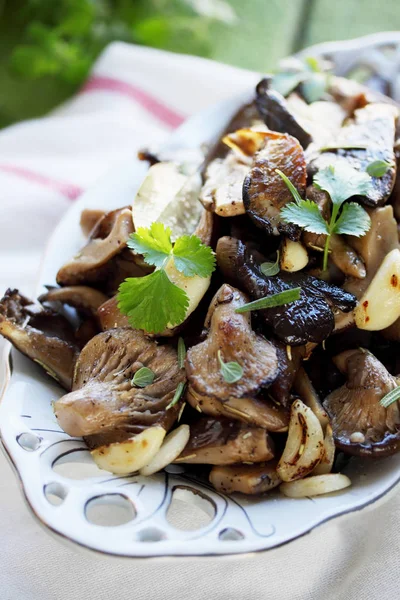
x=341, y=182
x=154, y=302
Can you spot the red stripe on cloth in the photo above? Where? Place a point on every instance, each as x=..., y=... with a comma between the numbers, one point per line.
x=69, y=190
x=151, y=104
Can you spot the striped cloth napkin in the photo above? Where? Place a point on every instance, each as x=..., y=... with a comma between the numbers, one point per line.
x=136, y=97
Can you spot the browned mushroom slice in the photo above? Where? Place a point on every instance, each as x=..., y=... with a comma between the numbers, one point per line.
x=89, y=219
x=276, y=114
x=230, y=338
x=361, y=426
x=373, y=247
x=84, y=298
x=109, y=315
x=321, y=119
x=372, y=127
x=223, y=442
x=246, y=479
x=91, y=264
x=41, y=334
x=104, y=397
x=264, y=191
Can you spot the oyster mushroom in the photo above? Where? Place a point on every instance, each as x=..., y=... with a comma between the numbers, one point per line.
x=229, y=336
x=373, y=127
x=223, y=442
x=361, y=426
x=103, y=397
x=246, y=479
x=95, y=264
x=84, y=298
x=223, y=181
x=309, y=319
x=41, y=334
x=276, y=114
x=89, y=219
x=264, y=191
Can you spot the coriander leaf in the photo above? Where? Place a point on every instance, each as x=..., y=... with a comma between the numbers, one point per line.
x=390, y=397
x=313, y=64
x=290, y=185
x=181, y=353
x=230, y=371
x=314, y=87
x=285, y=297
x=152, y=302
x=305, y=214
x=154, y=243
x=284, y=83
x=143, y=377
x=378, y=168
x=342, y=182
x=191, y=257
x=270, y=268
x=177, y=396
x=353, y=220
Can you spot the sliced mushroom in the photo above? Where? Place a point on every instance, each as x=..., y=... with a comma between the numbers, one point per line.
x=373, y=247
x=264, y=191
x=85, y=299
x=230, y=338
x=247, y=141
x=94, y=264
x=361, y=426
x=276, y=114
x=41, y=334
x=169, y=196
x=89, y=219
x=222, y=189
x=246, y=479
x=105, y=399
x=373, y=127
x=223, y=442
x=309, y=319
x=109, y=315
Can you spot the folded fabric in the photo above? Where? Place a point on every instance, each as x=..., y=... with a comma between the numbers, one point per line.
x=134, y=98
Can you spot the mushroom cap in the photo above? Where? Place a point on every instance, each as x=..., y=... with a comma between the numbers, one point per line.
x=246, y=479
x=361, y=426
x=231, y=335
x=104, y=398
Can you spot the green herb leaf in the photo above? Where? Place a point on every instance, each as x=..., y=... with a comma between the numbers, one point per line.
x=305, y=214
x=378, y=168
x=178, y=395
x=353, y=220
x=191, y=257
x=152, y=302
x=154, y=243
x=285, y=297
x=284, y=83
x=181, y=353
x=342, y=182
x=390, y=397
x=313, y=64
x=270, y=268
x=290, y=185
x=333, y=147
x=314, y=87
x=230, y=371
x=143, y=377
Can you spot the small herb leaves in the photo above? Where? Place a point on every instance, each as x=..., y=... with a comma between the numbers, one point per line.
x=378, y=168
x=181, y=353
x=178, y=395
x=390, y=397
x=340, y=182
x=153, y=302
x=285, y=297
x=309, y=74
x=270, y=268
x=230, y=371
x=143, y=377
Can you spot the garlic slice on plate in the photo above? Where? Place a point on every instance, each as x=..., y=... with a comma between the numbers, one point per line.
x=171, y=448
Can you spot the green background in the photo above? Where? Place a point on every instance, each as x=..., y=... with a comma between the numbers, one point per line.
x=34, y=80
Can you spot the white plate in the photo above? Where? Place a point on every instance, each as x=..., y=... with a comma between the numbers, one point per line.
x=51, y=464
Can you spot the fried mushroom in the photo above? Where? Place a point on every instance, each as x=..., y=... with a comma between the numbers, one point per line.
x=245, y=479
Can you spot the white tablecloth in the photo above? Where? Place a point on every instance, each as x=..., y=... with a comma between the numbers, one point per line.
x=135, y=97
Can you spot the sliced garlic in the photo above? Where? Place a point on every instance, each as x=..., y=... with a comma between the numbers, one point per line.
x=133, y=454
x=326, y=464
x=304, y=446
x=380, y=305
x=171, y=448
x=315, y=485
x=293, y=255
